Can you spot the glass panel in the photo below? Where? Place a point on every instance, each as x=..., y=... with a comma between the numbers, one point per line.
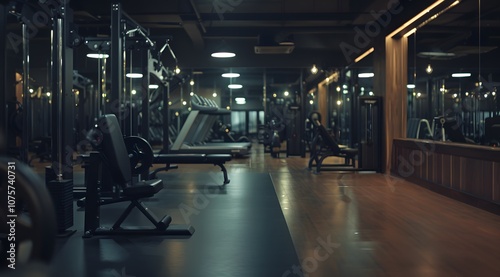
x=238, y=121
x=252, y=122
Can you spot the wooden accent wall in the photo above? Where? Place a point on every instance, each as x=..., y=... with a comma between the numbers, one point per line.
x=469, y=173
x=323, y=104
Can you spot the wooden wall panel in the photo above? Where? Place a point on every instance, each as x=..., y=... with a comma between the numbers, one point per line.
x=445, y=170
x=496, y=182
x=469, y=170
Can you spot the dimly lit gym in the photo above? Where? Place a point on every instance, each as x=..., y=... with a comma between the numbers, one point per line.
x=210, y=138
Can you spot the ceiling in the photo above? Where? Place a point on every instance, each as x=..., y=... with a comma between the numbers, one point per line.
x=316, y=28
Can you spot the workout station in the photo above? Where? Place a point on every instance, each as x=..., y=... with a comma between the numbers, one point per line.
x=249, y=138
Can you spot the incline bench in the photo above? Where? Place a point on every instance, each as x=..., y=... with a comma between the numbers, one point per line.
x=141, y=150
x=323, y=146
x=113, y=160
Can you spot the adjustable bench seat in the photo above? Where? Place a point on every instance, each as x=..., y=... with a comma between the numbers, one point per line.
x=215, y=159
x=324, y=146
x=144, y=189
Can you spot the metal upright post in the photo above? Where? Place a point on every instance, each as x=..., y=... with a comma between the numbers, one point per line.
x=116, y=59
x=145, y=94
x=26, y=94
x=165, y=90
x=59, y=178
x=3, y=79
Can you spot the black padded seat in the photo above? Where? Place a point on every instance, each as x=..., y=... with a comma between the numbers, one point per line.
x=144, y=188
x=218, y=157
x=192, y=158
x=179, y=158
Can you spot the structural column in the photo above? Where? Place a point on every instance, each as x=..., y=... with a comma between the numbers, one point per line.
x=391, y=58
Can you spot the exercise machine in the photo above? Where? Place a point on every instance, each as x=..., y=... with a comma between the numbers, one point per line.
x=113, y=159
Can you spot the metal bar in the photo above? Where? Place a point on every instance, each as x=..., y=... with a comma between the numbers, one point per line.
x=3, y=79
x=116, y=58
x=165, y=91
x=145, y=94
x=26, y=94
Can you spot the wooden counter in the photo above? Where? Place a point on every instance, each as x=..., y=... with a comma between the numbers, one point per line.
x=469, y=173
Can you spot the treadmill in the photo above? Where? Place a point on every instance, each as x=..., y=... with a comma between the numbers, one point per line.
x=195, y=131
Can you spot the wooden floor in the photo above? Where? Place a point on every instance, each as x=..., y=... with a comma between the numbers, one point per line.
x=367, y=224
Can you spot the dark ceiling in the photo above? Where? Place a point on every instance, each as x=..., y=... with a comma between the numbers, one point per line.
x=317, y=28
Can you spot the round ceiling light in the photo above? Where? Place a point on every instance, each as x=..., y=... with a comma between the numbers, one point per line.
x=230, y=75
x=223, y=55
x=234, y=86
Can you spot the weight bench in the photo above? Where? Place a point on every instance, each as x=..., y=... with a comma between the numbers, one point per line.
x=142, y=158
x=323, y=146
x=113, y=159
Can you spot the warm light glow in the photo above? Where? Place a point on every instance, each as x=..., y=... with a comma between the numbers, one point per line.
x=411, y=32
x=97, y=56
x=419, y=94
x=366, y=75
x=177, y=70
x=339, y=102
x=176, y=113
x=153, y=86
x=214, y=94
x=429, y=69
x=338, y=89
x=48, y=94
x=191, y=93
x=314, y=69
x=228, y=108
x=415, y=18
x=133, y=75
x=191, y=82
x=184, y=103
x=230, y=75
x=134, y=92
x=170, y=103
x=362, y=56
x=460, y=75
x=410, y=86
x=454, y=95
x=311, y=102
x=345, y=91
x=286, y=93
x=275, y=95
x=234, y=86
x=493, y=93
x=223, y=55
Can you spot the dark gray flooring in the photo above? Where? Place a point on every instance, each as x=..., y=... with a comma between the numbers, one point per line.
x=240, y=231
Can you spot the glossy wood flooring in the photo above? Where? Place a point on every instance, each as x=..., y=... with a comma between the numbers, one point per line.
x=367, y=224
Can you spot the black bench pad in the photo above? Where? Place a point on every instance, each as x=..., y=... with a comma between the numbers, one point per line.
x=191, y=158
x=144, y=188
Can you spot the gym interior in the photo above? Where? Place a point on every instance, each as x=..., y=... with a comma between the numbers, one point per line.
x=250, y=138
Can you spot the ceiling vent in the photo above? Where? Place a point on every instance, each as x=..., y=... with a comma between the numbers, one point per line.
x=268, y=45
x=274, y=49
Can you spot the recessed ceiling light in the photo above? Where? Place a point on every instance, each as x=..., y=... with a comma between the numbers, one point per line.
x=234, y=86
x=230, y=75
x=134, y=75
x=460, y=75
x=97, y=56
x=366, y=75
x=223, y=55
